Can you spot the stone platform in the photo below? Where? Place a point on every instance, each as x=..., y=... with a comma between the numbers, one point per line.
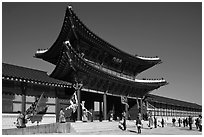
x=100, y=128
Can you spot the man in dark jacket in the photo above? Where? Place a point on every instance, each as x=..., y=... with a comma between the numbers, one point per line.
x=190, y=122
x=155, y=122
x=179, y=122
x=162, y=122
x=173, y=121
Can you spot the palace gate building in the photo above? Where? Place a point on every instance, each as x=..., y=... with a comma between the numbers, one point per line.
x=105, y=72
x=97, y=71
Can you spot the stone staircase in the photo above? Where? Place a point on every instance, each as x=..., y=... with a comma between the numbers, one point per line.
x=96, y=126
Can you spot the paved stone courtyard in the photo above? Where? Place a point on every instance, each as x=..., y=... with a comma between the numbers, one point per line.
x=155, y=131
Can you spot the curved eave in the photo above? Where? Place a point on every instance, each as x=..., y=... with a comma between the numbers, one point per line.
x=70, y=59
x=81, y=28
x=72, y=25
x=52, y=54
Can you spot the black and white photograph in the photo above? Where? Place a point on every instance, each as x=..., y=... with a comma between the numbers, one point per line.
x=101, y=68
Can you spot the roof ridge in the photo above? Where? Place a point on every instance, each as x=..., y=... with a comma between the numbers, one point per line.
x=24, y=67
x=175, y=99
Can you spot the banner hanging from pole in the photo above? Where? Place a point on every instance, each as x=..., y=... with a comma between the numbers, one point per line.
x=124, y=100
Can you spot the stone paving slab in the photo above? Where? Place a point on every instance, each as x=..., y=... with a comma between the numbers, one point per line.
x=132, y=131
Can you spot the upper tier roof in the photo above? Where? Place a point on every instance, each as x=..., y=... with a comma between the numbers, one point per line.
x=74, y=30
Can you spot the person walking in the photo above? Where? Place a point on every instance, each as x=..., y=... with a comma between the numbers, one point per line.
x=139, y=125
x=190, y=122
x=61, y=116
x=162, y=122
x=155, y=122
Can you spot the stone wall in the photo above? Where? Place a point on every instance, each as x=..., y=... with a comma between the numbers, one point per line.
x=44, y=128
x=9, y=119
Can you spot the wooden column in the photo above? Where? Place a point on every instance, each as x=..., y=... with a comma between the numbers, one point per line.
x=100, y=111
x=137, y=107
x=57, y=105
x=23, y=103
x=77, y=88
x=126, y=110
x=105, y=106
x=79, y=106
x=23, y=88
x=141, y=107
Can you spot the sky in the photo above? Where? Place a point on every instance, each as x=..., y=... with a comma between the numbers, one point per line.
x=171, y=31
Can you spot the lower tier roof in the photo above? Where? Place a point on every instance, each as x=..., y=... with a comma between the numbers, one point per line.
x=73, y=67
x=23, y=74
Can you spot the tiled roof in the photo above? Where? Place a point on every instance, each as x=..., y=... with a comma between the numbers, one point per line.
x=28, y=74
x=165, y=100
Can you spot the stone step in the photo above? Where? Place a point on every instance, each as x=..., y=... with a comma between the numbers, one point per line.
x=97, y=126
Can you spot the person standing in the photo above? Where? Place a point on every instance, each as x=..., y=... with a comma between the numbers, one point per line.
x=139, y=125
x=196, y=123
x=200, y=123
x=155, y=122
x=179, y=122
x=61, y=116
x=173, y=121
x=190, y=122
x=111, y=116
x=124, y=120
x=84, y=115
x=92, y=113
x=150, y=122
x=162, y=122
x=20, y=120
x=73, y=107
x=184, y=122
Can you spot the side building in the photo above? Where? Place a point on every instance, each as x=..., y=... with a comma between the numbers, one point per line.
x=22, y=86
x=168, y=108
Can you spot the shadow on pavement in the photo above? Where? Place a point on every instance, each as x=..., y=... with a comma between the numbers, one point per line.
x=187, y=129
x=132, y=131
